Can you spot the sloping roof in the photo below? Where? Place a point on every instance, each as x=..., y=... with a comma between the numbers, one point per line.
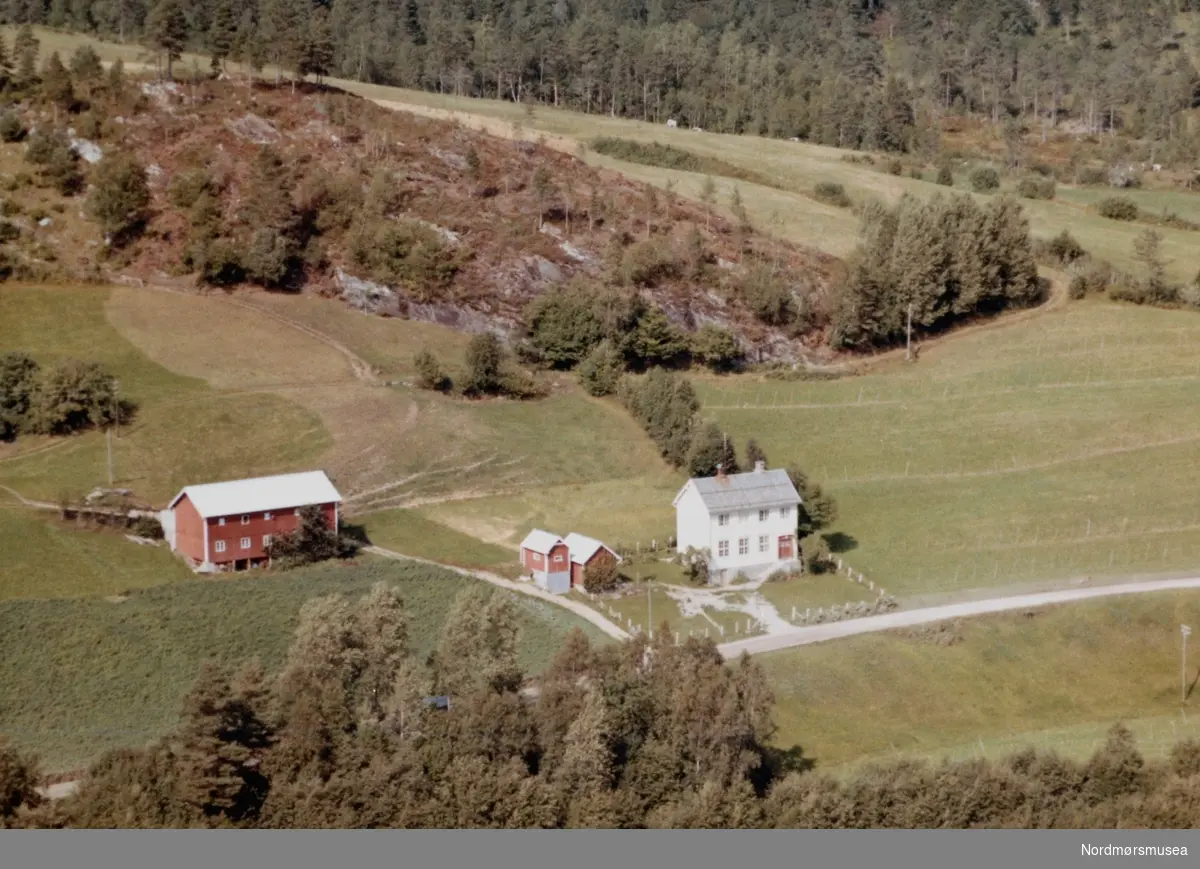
x=541, y=541
x=745, y=491
x=259, y=494
x=583, y=548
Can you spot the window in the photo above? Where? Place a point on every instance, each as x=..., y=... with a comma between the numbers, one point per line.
x=785, y=512
x=266, y=540
x=722, y=518
x=221, y=521
x=764, y=543
x=763, y=515
x=296, y=512
x=743, y=545
x=723, y=548
x=245, y=519
x=266, y=515
x=219, y=546
x=558, y=559
x=245, y=543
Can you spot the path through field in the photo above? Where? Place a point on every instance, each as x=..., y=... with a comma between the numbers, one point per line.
x=871, y=624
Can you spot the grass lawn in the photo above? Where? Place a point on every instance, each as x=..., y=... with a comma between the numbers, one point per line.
x=81, y=676
x=46, y=558
x=812, y=591
x=1008, y=681
x=408, y=532
x=1057, y=447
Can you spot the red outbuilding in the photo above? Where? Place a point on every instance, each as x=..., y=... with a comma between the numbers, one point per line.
x=230, y=525
x=586, y=553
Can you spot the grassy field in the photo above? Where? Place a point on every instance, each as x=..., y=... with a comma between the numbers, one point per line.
x=1056, y=678
x=243, y=433
x=409, y=532
x=45, y=558
x=264, y=396
x=1059, y=447
x=82, y=676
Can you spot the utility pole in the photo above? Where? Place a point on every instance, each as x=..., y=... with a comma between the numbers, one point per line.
x=908, y=336
x=108, y=437
x=1186, y=632
x=109, y=434
x=649, y=614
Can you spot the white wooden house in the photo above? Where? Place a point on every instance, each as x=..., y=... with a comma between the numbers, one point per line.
x=745, y=522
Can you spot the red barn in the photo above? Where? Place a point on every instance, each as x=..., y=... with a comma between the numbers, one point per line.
x=587, y=552
x=223, y=526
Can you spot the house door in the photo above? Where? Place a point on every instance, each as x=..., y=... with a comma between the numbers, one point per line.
x=786, y=548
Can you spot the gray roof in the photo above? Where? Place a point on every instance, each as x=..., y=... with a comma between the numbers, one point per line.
x=746, y=491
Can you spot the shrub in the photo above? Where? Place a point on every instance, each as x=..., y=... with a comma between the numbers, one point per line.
x=1063, y=249
x=767, y=295
x=831, y=193
x=429, y=372
x=895, y=167
x=406, y=253
x=147, y=526
x=119, y=196
x=648, y=263
x=1118, y=208
x=816, y=554
x=716, y=347
x=10, y=207
x=312, y=542
x=665, y=405
x=187, y=187
x=601, y=370
x=1089, y=175
x=71, y=397
x=1036, y=188
x=19, y=374
x=11, y=128
x=601, y=576
x=985, y=179
x=1089, y=276
x=945, y=176
x=563, y=325
x=88, y=126
x=484, y=358
x=9, y=231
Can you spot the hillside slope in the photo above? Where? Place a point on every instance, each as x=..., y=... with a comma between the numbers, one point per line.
x=314, y=189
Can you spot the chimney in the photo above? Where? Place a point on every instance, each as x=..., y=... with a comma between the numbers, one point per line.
x=760, y=466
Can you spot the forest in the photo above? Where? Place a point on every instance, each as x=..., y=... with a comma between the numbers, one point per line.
x=357, y=730
x=876, y=74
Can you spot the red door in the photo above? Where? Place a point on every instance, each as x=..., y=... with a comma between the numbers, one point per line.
x=785, y=547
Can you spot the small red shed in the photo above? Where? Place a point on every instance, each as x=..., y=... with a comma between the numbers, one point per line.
x=230, y=525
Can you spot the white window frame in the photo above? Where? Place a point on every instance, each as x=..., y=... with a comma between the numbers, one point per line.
x=558, y=559
x=764, y=543
x=221, y=521
x=267, y=515
x=266, y=540
x=723, y=548
x=722, y=518
x=764, y=515
x=296, y=512
x=218, y=546
x=743, y=546
x=245, y=518
x=785, y=512
x=245, y=543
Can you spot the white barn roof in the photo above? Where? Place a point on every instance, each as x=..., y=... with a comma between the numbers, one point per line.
x=744, y=491
x=583, y=548
x=260, y=494
x=540, y=541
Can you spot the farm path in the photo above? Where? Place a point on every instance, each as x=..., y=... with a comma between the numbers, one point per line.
x=581, y=610
x=911, y=618
x=362, y=369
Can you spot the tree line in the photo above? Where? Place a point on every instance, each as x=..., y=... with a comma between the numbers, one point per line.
x=876, y=74
x=938, y=261
x=357, y=730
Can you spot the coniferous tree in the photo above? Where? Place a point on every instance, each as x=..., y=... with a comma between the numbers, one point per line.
x=167, y=31
x=222, y=33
